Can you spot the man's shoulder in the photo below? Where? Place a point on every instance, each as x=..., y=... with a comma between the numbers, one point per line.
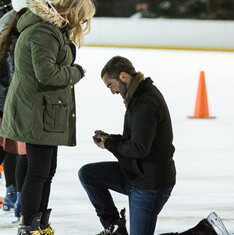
x=146, y=99
x=151, y=98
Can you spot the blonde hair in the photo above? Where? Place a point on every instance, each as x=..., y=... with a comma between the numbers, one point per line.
x=75, y=12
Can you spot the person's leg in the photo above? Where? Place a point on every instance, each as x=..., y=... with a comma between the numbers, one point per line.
x=21, y=170
x=144, y=209
x=40, y=158
x=9, y=171
x=97, y=179
x=44, y=224
x=47, y=184
x=9, y=168
x=2, y=155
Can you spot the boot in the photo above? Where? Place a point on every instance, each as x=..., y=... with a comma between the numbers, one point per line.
x=118, y=227
x=45, y=226
x=32, y=228
x=9, y=200
x=202, y=228
x=17, y=206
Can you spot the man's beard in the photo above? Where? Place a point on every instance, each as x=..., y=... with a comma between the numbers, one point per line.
x=123, y=89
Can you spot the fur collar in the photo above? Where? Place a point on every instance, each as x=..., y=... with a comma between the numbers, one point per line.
x=42, y=9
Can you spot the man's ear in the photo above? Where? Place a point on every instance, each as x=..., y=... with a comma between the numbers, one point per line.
x=123, y=77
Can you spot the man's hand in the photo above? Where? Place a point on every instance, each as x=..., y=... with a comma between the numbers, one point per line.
x=99, y=138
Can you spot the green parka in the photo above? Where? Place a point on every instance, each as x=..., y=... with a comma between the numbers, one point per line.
x=40, y=105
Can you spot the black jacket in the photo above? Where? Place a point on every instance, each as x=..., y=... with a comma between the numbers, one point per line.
x=145, y=150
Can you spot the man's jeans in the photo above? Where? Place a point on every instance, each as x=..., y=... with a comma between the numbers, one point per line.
x=145, y=205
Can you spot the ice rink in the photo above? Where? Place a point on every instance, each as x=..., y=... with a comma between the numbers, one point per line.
x=204, y=148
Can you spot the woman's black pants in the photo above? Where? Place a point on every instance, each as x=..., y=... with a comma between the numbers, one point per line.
x=42, y=162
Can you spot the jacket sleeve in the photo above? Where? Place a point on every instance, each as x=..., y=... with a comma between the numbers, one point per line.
x=116, y=137
x=44, y=50
x=143, y=131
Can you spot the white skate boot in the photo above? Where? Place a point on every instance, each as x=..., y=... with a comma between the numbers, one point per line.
x=217, y=223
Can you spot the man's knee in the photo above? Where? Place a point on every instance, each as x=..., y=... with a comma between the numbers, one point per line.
x=85, y=173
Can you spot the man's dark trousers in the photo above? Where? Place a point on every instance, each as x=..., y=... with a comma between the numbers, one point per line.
x=145, y=205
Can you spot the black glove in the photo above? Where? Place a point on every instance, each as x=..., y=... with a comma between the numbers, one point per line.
x=80, y=69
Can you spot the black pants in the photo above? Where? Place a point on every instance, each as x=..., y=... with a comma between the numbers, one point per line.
x=42, y=162
x=20, y=171
x=2, y=155
x=10, y=161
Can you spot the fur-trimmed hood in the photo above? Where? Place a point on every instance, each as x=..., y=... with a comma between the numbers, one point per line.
x=44, y=11
x=41, y=11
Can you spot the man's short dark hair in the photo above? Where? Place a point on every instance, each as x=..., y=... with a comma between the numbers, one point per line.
x=116, y=65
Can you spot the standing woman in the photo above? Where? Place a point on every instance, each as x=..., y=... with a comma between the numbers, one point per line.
x=40, y=106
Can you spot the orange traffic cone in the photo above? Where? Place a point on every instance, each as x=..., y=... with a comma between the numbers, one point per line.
x=201, y=108
x=1, y=168
x=1, y=201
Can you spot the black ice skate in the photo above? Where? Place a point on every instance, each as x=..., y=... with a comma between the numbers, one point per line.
x=118, y=227
x=202, y=228
x=32, y=228
x=44, y=225
x=217, y=223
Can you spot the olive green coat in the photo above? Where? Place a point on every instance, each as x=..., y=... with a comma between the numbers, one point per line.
x=40, y=105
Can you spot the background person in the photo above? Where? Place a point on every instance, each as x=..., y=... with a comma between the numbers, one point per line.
x=10, y=149
x=5, y=6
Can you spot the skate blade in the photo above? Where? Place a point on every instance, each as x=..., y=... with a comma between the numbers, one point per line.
x=216, y=222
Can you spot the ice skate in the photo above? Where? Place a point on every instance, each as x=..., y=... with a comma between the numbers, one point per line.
x=32, y=228
x=44, y=225
x=217, y=223
x=9, y=200
x=118, y=227
x=17, y=206
x=202, y=228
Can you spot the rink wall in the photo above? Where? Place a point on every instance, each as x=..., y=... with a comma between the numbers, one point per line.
x=162, y=33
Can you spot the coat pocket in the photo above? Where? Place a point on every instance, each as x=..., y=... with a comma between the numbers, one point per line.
x=55, y=114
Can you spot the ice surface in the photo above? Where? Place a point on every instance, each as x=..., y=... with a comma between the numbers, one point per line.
x=204, y=148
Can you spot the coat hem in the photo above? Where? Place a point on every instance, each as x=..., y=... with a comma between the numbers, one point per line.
x=33, y=141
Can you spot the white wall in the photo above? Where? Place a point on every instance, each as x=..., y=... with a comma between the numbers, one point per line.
x=168, y=33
